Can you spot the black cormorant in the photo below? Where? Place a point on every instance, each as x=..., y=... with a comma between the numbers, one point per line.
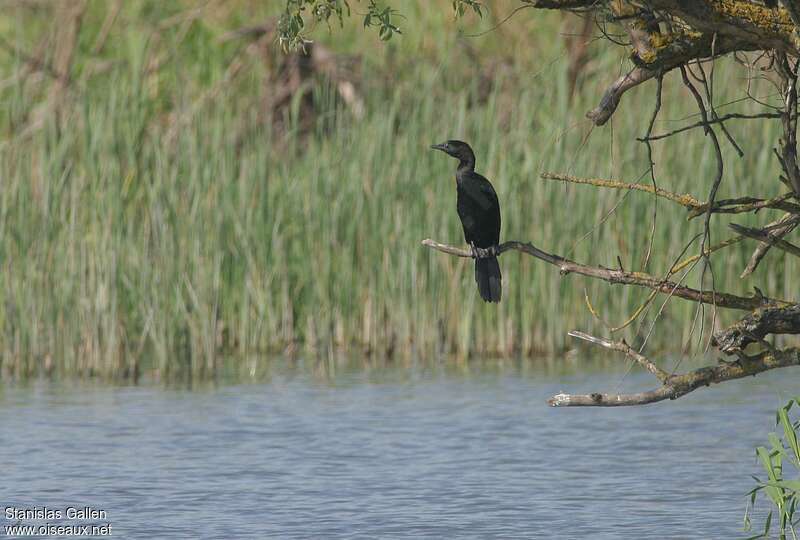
x=479, y=211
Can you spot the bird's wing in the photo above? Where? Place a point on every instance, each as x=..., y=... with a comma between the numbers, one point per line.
x=480, y=190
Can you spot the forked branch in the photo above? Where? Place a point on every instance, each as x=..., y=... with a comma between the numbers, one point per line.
x=767, y=237
x=679, y=385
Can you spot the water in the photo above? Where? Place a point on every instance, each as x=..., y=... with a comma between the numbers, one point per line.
x=389, y=452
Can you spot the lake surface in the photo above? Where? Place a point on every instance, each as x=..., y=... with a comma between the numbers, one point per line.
x=308, y=450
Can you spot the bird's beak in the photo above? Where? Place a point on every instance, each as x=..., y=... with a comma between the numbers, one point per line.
x=438, y=147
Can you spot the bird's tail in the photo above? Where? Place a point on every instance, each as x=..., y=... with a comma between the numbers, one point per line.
x=488, y=278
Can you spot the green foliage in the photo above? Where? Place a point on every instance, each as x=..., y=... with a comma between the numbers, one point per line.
x=293, y=26
x=460, y=7
x=781, y=487
x=382, y=19
x=293, y=22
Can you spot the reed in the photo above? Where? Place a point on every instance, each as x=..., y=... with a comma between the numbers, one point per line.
x=155, y=219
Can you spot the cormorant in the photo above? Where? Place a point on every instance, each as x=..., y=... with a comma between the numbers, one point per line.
x=479, y=211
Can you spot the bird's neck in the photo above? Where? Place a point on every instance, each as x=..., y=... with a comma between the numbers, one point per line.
x=466, y=165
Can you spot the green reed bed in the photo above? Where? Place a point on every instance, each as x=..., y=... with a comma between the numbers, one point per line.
x=145, y=225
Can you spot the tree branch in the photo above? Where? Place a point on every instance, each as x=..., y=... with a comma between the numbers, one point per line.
x=767, y=237
x=684, y=200
x=755, y=326
x=641, y=279
x=717, y=120
x=623, y=347
x=751, y=25
x=680, y=385
x=610, y=100
x=695, y=207
x=787, y=224
x=748, y=204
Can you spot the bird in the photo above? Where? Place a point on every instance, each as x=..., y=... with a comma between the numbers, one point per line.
x=479, y=211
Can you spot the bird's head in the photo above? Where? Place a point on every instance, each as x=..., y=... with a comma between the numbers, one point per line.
x=457, y=149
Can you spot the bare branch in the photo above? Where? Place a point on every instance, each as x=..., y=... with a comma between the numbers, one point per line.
x=755, y=326
x=767, y=237
x=623, y=347
x=680, y=385
x=717, y=120
x=787, y=224
x=689, y=260
x=610, y=100
x=610, y=275
x=684, y=200
x=748, y=204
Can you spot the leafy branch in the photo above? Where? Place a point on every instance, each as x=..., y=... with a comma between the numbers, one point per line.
x=300, y=16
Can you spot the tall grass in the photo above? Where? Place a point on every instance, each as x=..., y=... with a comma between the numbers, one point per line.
x=145, y=224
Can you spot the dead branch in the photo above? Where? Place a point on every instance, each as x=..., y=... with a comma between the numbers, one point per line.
x=748, y=204
x=619, y=276
x=767, y=237
x=757, y=325
x=678, y=386
x=788, y=157
x=718, y=120
x=787, y=224
x=694, y=206
x=623, y=347
x=610, y=100
x=684, y=200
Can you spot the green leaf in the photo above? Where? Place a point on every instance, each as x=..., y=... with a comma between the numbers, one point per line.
x=788, y=430
x=775, y=441
x=766, y=462
x=792, y=485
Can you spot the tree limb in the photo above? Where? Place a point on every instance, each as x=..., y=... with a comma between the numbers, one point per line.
x=757, y=325
x=612, y=96
x=680, y=385
x=641, y=279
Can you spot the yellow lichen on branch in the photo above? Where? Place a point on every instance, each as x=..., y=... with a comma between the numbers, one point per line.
x=772, y=20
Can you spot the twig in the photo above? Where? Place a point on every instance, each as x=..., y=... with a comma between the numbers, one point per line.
x=656, y=110
x=748, y=204
x=623, y=347
x=684, y=200
x=683, y=264
x=717, y=120
x=769, y=238
x=696, y=208
x=786, y=225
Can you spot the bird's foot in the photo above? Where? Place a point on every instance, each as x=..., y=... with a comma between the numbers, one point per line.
x=483, y=253
x=475, y=250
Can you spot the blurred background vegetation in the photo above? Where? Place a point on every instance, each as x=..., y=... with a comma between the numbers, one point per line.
x=175, y=189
